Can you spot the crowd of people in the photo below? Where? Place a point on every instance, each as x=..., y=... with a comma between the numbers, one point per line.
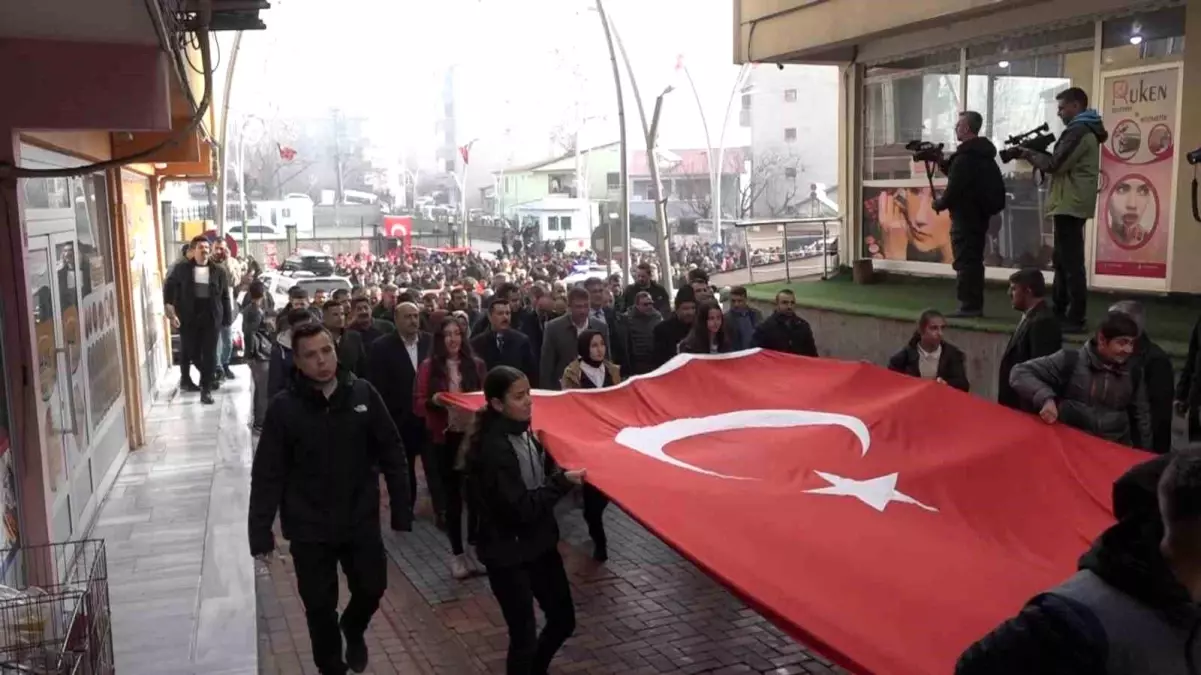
x=356, y=383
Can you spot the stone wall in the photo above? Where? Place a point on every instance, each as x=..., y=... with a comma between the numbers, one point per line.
x=866, y=338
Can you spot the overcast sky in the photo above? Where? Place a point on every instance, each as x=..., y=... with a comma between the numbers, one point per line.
x=525, y=66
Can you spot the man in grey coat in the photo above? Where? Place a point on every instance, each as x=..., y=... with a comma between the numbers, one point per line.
x=1094, y=388
x=561, y=335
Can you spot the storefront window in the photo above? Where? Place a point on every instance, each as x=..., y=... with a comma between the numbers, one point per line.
x=1137, y=39
x=910, y=100
x=914, y=100
x=1013, y=86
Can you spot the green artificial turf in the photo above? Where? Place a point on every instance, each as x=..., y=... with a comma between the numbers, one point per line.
x=1170, y=319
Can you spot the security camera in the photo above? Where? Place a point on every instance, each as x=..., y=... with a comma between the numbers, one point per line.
x=780, y=66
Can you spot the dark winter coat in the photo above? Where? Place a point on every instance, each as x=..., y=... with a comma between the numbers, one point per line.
x=1097, y=397
x=517, y=524
x=318, y=464
x=974, y=183
x=639, y=332
x=952, y=364
x=179, y=291
x=668, y=335
x=1159, y=381
x=786, y=333
x=1039, y=334
x=1124, y=613
x=659, y=297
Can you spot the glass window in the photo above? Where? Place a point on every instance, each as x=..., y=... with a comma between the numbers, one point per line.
x=565, y=223
x=790, y=95
x=1014, y=91
x=552, y=223
x=790, y=172
x=790, y=134
x=613, y=180
x=905, y=101
x=1147, y=36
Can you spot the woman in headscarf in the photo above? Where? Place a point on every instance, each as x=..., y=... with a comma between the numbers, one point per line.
x=514, y=485
x=592, y=370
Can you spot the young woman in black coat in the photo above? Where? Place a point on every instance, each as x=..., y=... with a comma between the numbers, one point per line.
x=514, y=485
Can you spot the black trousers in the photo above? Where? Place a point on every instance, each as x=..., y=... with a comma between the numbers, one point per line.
x=595, y=503
x=364, y=564
x=516, y=588
x=1070, y=291
x=452, y=486
x=417, y=445
x=198, y=342
x=967, y=245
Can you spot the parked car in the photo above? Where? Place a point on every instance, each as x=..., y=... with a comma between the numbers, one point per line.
x=317, y=262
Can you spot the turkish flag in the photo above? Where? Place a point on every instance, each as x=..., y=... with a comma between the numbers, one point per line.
x=399, y=227
x=886, y=521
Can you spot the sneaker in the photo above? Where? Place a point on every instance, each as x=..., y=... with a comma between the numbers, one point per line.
x=229, y=374
x=190, y=387
x=356, y=653
x=458, y=567
x=206, y=397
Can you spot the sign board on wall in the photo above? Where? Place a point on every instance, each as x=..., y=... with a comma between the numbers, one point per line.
x=1138, y=163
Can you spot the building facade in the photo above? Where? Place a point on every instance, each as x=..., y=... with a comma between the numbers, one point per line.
x=906, y=70
x=83, y=340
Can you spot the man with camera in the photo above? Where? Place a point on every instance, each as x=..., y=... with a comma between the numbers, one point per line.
x=975, y=192
x=1074, y=168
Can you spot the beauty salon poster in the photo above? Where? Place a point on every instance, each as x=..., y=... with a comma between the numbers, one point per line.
x=1134, y=205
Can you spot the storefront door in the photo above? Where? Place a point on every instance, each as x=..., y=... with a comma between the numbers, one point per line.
x=54, y=284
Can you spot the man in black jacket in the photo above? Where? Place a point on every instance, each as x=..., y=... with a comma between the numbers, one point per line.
x=1038, y=333
x=669, y=332
x=196, y=300
x=325, y=441
x=1128, y=604
x=784, y=330
x=394, y=360
x=644, y=282
x=1155, y=365
x=602, y=312
x=975, y=191
x=352, y=352
x=503, y=346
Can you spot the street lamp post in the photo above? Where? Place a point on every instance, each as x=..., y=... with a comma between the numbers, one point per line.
x=625, y=151
x=651, y=131
x=717, y=154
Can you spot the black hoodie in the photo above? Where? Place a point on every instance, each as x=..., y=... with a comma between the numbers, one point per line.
x=975, y=188
x=1058, y=635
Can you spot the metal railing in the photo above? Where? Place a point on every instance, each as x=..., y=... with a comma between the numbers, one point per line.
x=811, y=237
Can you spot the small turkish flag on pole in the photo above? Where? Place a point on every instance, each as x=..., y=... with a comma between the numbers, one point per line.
x=286, y=154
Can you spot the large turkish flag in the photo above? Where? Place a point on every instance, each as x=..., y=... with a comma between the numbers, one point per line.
x=886, y=521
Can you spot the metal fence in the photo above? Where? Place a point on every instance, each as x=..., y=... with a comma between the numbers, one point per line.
x=799, y=247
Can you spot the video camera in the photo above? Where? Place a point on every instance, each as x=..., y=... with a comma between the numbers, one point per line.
x=925, y=151
x=1037, y=139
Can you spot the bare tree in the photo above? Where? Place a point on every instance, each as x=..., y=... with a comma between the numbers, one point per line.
x=773, y=186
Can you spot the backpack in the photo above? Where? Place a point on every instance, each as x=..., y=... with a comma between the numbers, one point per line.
x=993, y=198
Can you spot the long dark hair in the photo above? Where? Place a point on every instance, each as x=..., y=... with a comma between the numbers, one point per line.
x=697, y=341
x=496, y=385
x=469, y=374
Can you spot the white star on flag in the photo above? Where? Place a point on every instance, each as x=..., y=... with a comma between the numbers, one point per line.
x=877, y=493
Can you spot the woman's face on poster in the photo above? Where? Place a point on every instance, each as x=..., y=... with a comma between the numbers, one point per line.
x=1129, y=201
x=927, y=230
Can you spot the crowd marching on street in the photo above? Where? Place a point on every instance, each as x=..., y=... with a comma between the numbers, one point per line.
x=356, y=384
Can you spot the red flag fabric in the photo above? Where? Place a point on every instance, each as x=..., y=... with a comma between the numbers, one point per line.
x=399, y=227
x=883, y=520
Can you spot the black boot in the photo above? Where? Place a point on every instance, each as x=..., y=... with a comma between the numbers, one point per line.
x=227, y=373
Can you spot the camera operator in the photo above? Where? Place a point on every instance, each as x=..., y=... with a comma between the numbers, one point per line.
x=975, y=192
x=1074, y=168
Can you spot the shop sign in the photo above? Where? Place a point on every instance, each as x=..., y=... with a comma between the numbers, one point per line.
x=1134, y=207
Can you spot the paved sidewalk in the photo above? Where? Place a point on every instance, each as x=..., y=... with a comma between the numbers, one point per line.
x=645, y=611
x=180, y=572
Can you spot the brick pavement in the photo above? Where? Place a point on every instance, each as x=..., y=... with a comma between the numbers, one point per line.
x=646, y=610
